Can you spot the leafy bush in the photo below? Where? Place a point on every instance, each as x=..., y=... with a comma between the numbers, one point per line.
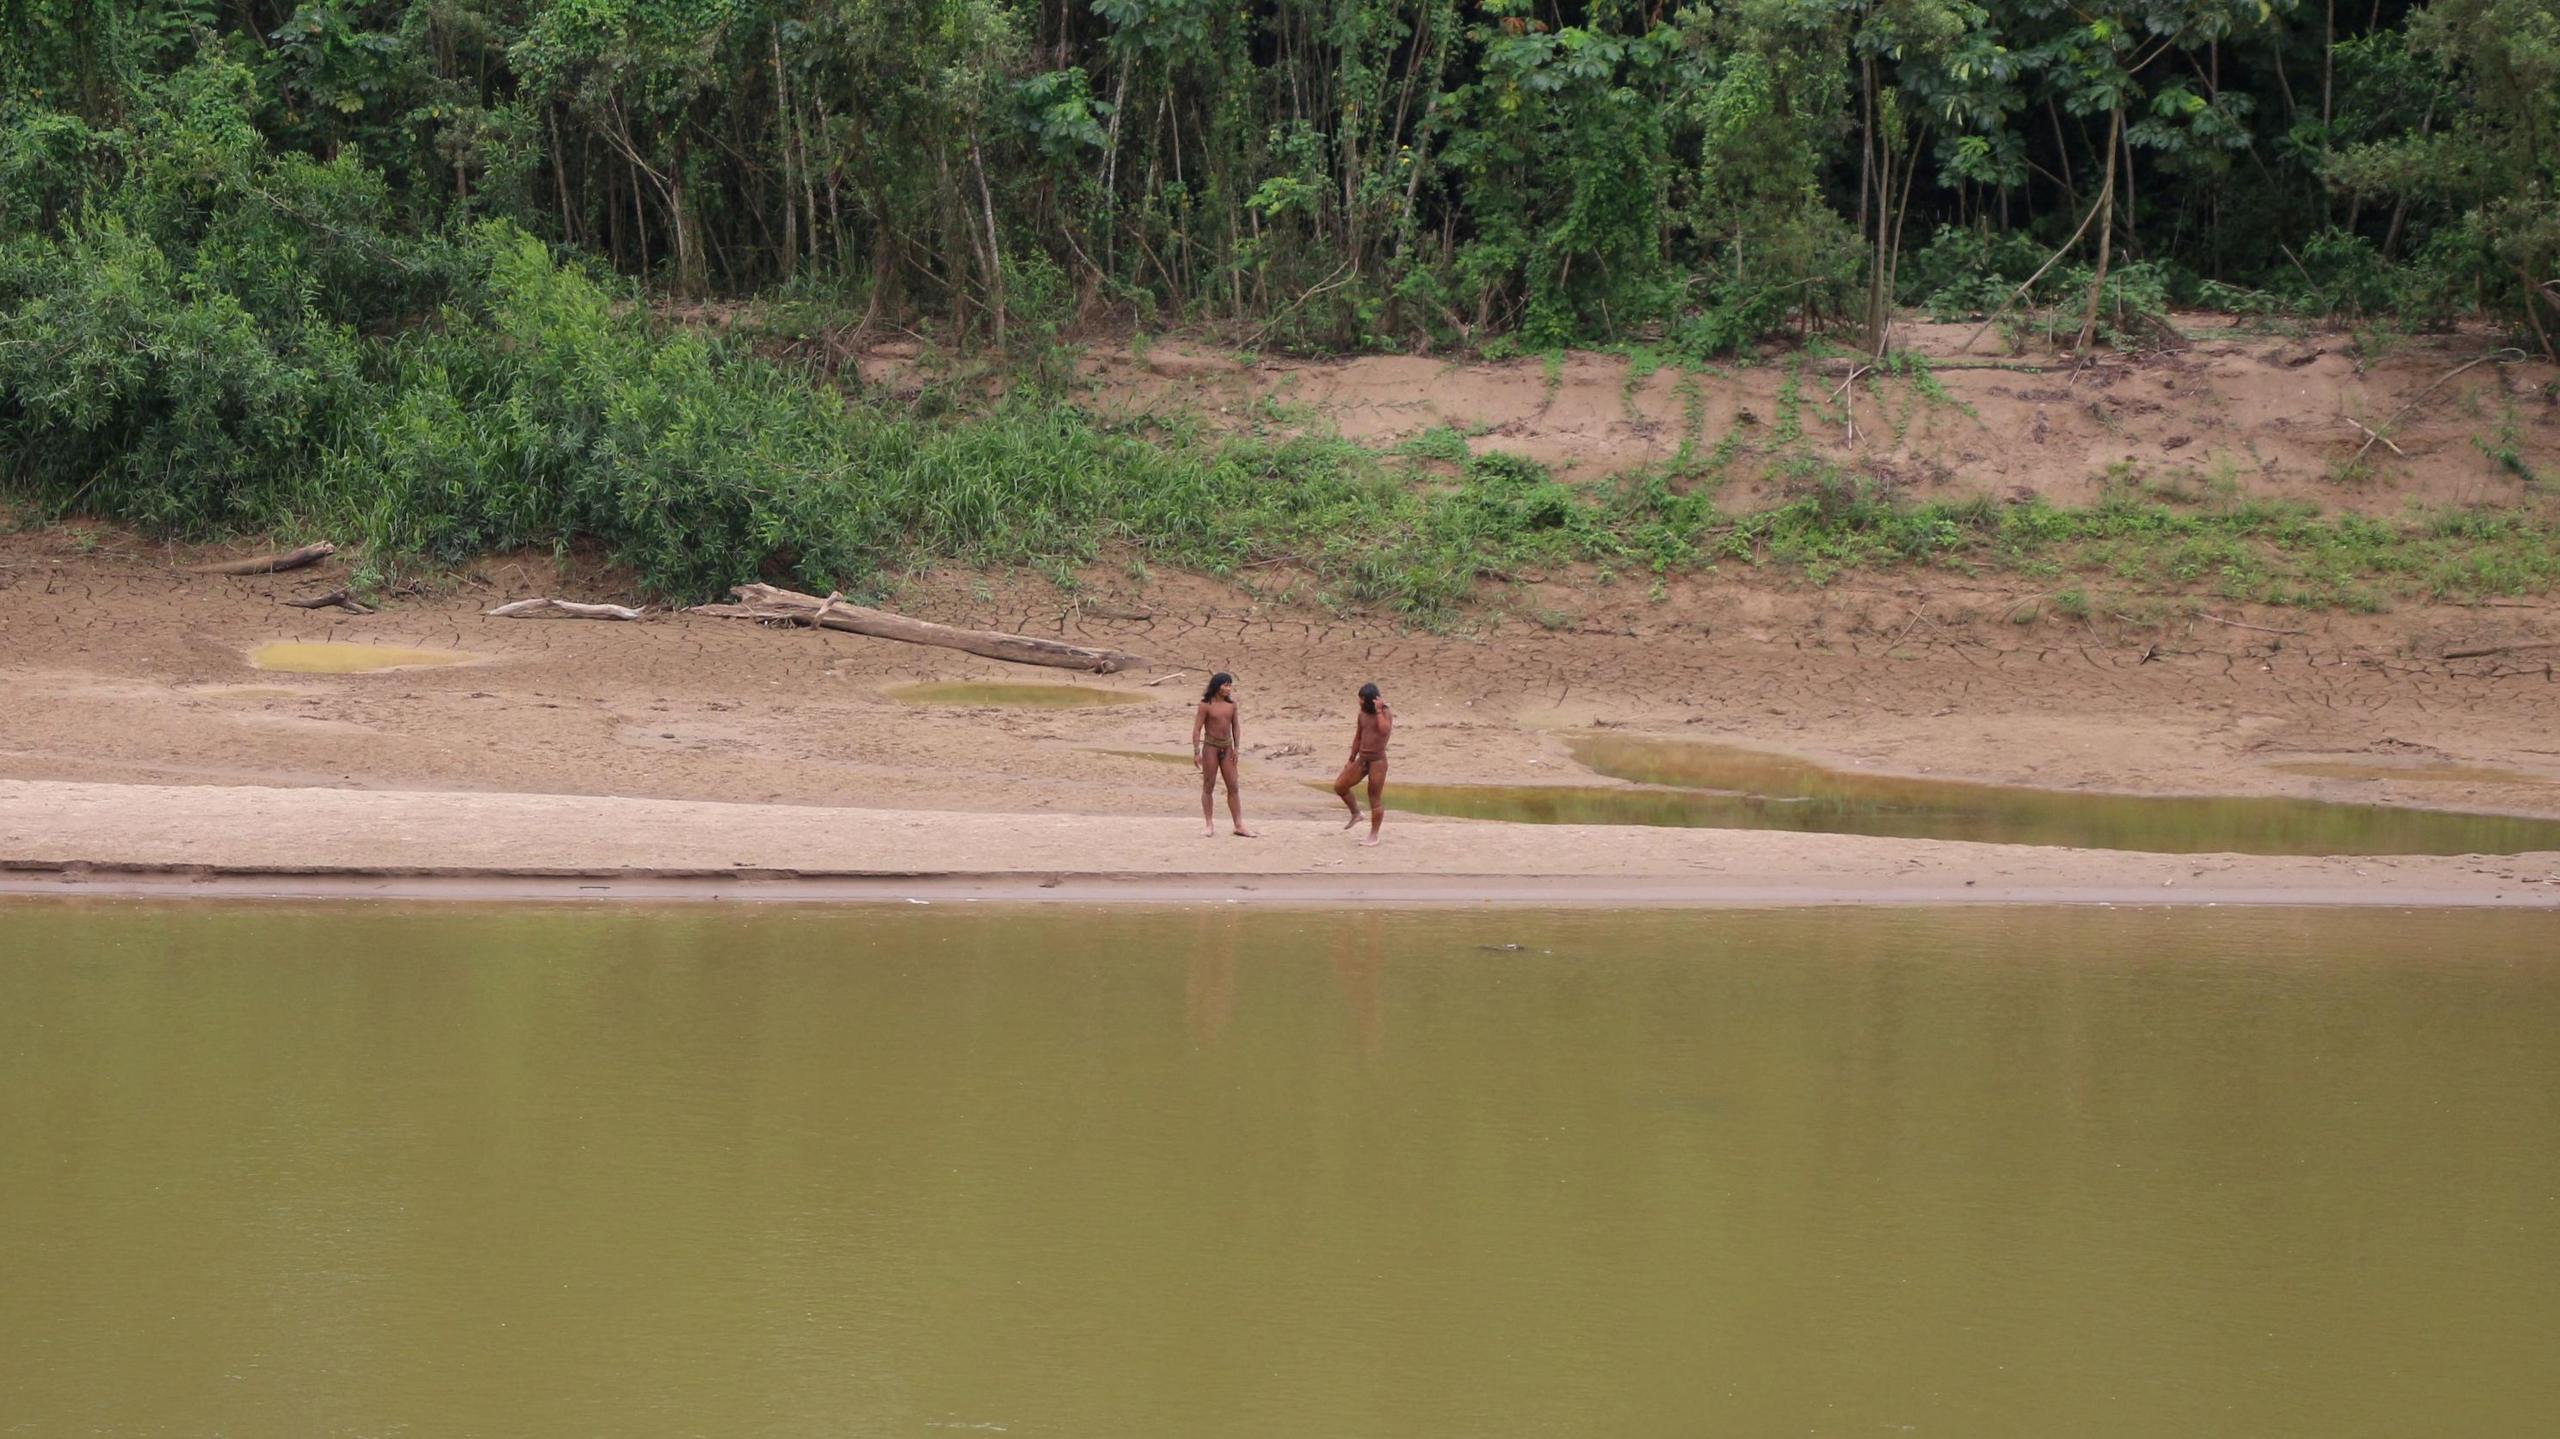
x=1964, y=271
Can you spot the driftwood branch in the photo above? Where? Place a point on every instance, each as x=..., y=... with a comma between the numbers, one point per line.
x=2371, y=434
x=2473, y=654
x=765, y=602
x=2107, y=203
x=272, y=564
x=2507, y=356
x=545, y=605
x=340, y=598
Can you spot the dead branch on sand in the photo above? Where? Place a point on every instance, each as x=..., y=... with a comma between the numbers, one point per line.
x=272, y=564
x=544, y=605
x=767, y=603
x=2371, y=434
x=2507, y=356
x=340, y=598
x=2473, y=654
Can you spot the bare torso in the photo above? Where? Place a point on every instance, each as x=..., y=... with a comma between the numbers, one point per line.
x=1370, y=739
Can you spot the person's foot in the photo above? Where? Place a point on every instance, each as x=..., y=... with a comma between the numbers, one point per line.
x=1370, y=842
x=1355, y=819
x=1243, y=833
x=1208, y=830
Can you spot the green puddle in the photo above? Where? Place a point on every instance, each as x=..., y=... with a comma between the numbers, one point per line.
x=1014, y=696
x=1708, y=786
x=334, y=657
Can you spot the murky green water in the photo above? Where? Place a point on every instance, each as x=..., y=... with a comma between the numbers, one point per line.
x=1014, y=696
x=906, y=1171
x=1717, y=787
x=345, y=657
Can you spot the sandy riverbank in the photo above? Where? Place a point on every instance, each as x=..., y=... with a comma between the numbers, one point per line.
x=250, y=840
x=138, y=731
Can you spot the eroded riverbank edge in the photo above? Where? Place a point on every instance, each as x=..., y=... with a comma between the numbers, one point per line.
x=63, y=837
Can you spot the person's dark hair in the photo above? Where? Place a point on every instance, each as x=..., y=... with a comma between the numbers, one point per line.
x=1217, y=682
x=1369, y=698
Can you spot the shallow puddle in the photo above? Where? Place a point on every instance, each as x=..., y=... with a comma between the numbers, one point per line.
x=2369, y=770
x=339, y=657
x=1720, y=787
x=1013, y=696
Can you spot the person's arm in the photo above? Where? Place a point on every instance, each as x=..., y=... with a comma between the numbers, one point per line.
x=1235, y=731
x=1199, y=717
x=1386, y=723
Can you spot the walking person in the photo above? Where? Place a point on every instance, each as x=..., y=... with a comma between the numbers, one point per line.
x=1369, y=761
x=1217, y=734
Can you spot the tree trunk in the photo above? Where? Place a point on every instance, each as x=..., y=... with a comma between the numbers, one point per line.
x=560, y=177
x=2106, y=233
x=1867, y=147
x=1111, y=165
x=995, y=251
x=1893, y=253
x=782, y=142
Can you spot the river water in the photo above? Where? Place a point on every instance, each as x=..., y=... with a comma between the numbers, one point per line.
x=924, y=1170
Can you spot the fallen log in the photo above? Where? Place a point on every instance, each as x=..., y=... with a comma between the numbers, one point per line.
x=272, y=564
x=340, y=598
x=765, y=602
x=2474, y=654
x=545, y=605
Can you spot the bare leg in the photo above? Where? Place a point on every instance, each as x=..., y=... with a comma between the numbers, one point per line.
x=1342, y=784
x=1209, y=794
x=1377, y=799
x=1235, y=801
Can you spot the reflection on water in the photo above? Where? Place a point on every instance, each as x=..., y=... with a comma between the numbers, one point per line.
x=2108, y=1173
x=1718, y=787
x=1013, y=696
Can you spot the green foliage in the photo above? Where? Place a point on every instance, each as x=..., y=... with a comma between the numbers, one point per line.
x=1444, y=443
x=1963, y=272
x=1371, y=173
x=388, y=268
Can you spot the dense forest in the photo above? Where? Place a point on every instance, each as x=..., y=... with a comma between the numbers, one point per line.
x=1386, y=172
x=261, y=261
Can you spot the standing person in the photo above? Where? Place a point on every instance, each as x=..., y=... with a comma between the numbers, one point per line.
x=1217, y=733
x=1368, y=758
